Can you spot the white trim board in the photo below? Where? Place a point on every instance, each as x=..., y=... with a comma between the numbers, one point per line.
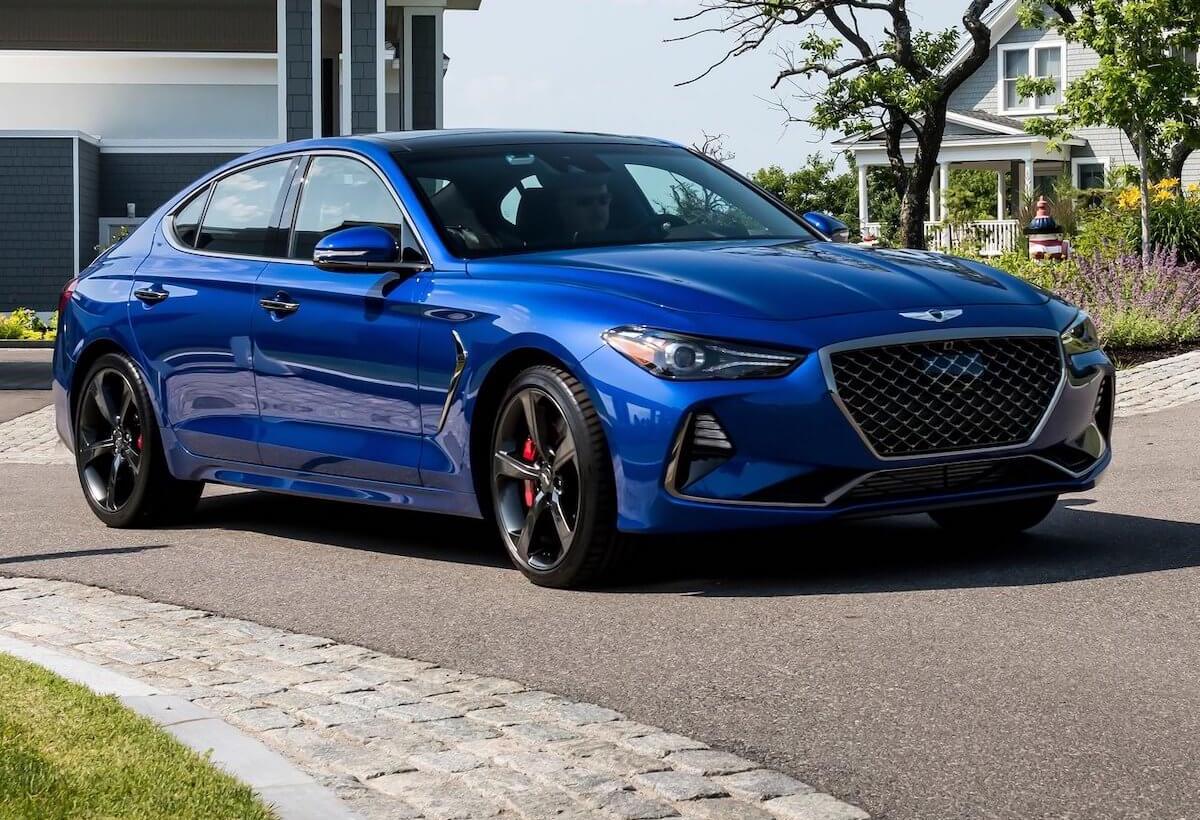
x=381, y=63
x=17, y=134
x=281, y=83
x=346, y=99
x=318, y=81
x=101, y=68
x=75, y=195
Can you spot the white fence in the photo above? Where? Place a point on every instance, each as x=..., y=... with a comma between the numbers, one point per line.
x=991, y=237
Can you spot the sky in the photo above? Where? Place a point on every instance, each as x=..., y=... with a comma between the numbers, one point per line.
x=602, y=65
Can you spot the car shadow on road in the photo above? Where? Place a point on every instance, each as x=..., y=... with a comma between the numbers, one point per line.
x=883, y=555
x=361, y=527
x=911, y=553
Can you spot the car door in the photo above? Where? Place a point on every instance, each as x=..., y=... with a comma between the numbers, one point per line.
x=192, y=304
x=335, y=353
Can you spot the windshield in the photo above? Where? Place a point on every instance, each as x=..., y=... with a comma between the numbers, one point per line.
x=493, y=200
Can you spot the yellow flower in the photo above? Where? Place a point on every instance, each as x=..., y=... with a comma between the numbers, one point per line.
x=1129, y=198
x=1164, y=190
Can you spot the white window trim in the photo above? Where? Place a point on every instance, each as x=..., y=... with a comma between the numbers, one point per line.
x=1031, y=48
x=1077, y=161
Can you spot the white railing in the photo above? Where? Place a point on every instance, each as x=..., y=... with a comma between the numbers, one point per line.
x=991, y=237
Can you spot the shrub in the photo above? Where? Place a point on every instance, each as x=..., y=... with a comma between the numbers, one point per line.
x=1132, y=307
x=23, y=323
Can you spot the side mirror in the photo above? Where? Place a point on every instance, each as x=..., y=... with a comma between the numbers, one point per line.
x=835, y=229
x=363, y=249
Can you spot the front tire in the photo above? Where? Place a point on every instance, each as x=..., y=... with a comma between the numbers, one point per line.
x=997, y=519
x=552, y=488
x=118, y=450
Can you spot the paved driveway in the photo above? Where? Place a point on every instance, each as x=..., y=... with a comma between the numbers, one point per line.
x=914, y=675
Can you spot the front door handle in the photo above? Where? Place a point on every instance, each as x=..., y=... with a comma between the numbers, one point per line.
x=279, y=304
x=150, y=297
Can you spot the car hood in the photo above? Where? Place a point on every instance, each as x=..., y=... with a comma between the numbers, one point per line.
x=789, y=280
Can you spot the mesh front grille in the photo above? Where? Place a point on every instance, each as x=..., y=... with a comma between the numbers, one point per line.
x=943, y=396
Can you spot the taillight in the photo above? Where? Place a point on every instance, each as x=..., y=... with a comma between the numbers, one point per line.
x=64, y=298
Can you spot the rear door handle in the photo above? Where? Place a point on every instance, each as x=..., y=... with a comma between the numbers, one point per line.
x=279, y=304
x=150, y=297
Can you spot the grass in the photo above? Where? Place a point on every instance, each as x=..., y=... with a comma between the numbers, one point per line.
x=68, y=753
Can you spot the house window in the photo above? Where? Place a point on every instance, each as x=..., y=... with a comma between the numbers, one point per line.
x=1042, y=62
x=1089, y=175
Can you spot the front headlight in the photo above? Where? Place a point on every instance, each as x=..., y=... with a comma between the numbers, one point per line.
x=678, y=356
x=1081, y=335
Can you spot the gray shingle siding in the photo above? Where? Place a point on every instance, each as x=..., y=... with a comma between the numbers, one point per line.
x=149, y=180
x=37, y=218
x=89, y=202
x=299, y=87
x=425, y=66
x=363, y=67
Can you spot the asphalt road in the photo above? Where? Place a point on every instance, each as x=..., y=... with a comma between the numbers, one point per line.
x=914, y=675
x=24, y=379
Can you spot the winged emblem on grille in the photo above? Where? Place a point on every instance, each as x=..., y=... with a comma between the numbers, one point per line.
x=934, y=315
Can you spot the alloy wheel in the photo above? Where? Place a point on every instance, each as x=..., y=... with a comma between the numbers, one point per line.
x=536, y=480
x=109, y=445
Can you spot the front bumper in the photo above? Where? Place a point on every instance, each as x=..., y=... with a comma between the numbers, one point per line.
x=797, y=457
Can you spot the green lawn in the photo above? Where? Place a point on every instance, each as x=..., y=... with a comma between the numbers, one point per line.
x=68, y=753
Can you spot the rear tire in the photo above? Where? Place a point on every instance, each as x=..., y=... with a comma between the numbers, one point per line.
x=552, y=490
x=118, y=450
x=997, y=519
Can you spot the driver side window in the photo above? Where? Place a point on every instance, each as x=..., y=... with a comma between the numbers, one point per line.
x=340, y=192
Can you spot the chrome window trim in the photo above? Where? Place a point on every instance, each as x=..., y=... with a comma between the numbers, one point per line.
x=836, y=495
x=168, y=221
x=460, y=365
x=945, y=334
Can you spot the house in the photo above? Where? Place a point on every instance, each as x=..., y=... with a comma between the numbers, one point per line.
x=985, y=130
x=108, y=109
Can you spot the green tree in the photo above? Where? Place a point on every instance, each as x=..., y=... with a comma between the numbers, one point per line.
x=814, y=187
x=897, y=83
x=1145, y=82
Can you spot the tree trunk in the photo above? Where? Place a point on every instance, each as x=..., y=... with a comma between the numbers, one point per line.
x=1144, y=184
x=1179, y=154
x=913, y=207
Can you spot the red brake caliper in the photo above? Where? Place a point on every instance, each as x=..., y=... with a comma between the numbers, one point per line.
x=138, y=444
x=528, y=453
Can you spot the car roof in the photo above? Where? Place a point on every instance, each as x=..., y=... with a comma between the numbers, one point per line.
x=476, y=137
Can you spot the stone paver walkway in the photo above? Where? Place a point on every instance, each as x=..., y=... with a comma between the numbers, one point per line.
x=401, y=738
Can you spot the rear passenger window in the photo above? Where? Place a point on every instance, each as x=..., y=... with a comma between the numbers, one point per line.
x=188, y=219
x=241, y=215
x=342, y=193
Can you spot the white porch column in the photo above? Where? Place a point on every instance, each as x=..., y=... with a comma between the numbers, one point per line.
x=862, y=195
x=1029, y=176
x=1000, y=195
x=943, y=185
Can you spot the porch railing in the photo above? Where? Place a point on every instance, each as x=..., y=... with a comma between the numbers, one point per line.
x=991, y=237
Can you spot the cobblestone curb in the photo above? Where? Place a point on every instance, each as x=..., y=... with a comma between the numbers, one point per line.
x=291, y=793
x=1158, y=385
x=32, y=439
x=400, y=738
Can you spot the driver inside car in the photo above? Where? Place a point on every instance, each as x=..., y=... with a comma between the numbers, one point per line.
x=585, y=205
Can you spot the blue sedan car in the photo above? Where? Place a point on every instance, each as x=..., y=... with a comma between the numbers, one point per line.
x=581, y=337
